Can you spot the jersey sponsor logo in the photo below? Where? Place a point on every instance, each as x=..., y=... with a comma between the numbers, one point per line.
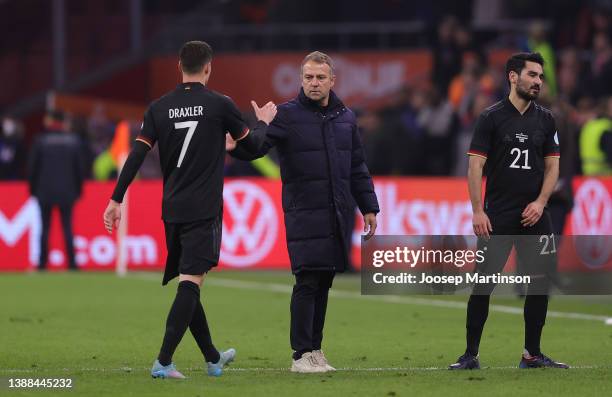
x=521, y=137
x=191, y=111
x=250, y=224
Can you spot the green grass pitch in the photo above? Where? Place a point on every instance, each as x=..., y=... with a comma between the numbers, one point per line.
x=104, y=332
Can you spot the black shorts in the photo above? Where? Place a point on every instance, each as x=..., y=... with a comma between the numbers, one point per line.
x=535, y=246
x=193, y=248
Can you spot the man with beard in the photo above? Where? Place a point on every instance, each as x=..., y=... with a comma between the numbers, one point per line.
x=518, y=140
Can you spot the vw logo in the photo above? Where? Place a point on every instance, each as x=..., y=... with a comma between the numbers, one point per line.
x=250, y=224
x=592, y=219
x=592, y=214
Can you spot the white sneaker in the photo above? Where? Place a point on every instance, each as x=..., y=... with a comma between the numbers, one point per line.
x=308, y=364
x=322, y=360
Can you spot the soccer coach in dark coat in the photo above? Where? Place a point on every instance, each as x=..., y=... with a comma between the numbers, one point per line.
x=55, y=176
x=322, y=169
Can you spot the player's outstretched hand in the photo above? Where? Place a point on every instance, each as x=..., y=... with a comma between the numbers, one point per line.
x=112, y=216
x=482, y=224
x=369, y=225
x=266, y=113
x=532, y=213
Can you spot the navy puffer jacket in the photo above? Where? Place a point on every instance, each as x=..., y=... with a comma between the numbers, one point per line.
x=322, y=169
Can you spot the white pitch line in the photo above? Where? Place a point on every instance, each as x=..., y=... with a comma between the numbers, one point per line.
x=230, y=369
x=408, y=300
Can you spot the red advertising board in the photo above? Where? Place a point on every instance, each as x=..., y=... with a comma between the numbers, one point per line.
x=253, y=227
x=361, y=76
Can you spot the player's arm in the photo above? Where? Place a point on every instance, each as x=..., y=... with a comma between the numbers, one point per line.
x=112, y=215
x=478, y=153
x=253, y=145
x=480, y=221
x=261, y=140
x=250, y=141
x=144, y=142
x=533, y=211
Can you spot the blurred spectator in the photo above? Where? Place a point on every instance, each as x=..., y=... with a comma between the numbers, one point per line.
x=466, y=130
x=537, y=42
x=466, y=46
x=596, y=143
x=12, y=149
x=406, y=155
x=377, y=145
x=78, y=125
x=446, y=55
x=570, y=76
x=601, y=66
x=561, y=200
x=465, y=86
x=590, y=21
x=100, y=129
x=437, y=119
x=55, y=176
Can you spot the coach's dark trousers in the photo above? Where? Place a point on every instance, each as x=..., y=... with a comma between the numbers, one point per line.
x=66, y=216
x=308, y=307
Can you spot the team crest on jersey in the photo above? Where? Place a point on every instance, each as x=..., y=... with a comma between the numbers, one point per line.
x=507, y=138
x=521, y=137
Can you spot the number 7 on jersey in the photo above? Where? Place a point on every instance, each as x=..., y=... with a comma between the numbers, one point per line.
x=192, y=127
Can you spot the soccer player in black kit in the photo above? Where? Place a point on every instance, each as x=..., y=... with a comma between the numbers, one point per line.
x=189, y=124
x=517, y=139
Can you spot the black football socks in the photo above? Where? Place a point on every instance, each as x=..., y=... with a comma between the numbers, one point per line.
x=534, y=313
x=179, y=318
x=477, y=313
x=201, y=333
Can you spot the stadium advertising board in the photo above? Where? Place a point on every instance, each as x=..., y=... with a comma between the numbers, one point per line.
x=253, y=228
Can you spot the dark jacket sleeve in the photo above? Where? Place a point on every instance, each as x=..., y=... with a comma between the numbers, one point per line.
x=362, y=187
x=260, y=140
x=33, y=166
x=79, y=166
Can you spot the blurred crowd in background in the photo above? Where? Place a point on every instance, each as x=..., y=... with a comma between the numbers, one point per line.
x=424, y=128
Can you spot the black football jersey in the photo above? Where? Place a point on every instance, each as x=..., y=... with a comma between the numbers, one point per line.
x=189, y=125
x=515, y=146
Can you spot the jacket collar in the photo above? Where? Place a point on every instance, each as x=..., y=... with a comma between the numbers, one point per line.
x=334, y=103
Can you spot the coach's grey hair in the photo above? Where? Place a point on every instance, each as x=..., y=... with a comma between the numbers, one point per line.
x=319, y=57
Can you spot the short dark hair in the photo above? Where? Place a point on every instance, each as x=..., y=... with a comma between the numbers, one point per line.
x=516, y=62
x=194, y=55
x=321, y=58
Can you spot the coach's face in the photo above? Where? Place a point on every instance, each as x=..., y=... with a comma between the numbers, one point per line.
x=529, y=83
x=317, y=81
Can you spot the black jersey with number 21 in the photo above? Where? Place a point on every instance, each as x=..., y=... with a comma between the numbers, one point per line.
x=514, y=146
x=189, y=126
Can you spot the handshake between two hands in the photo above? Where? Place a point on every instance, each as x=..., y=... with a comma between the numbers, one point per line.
x=266, y=113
